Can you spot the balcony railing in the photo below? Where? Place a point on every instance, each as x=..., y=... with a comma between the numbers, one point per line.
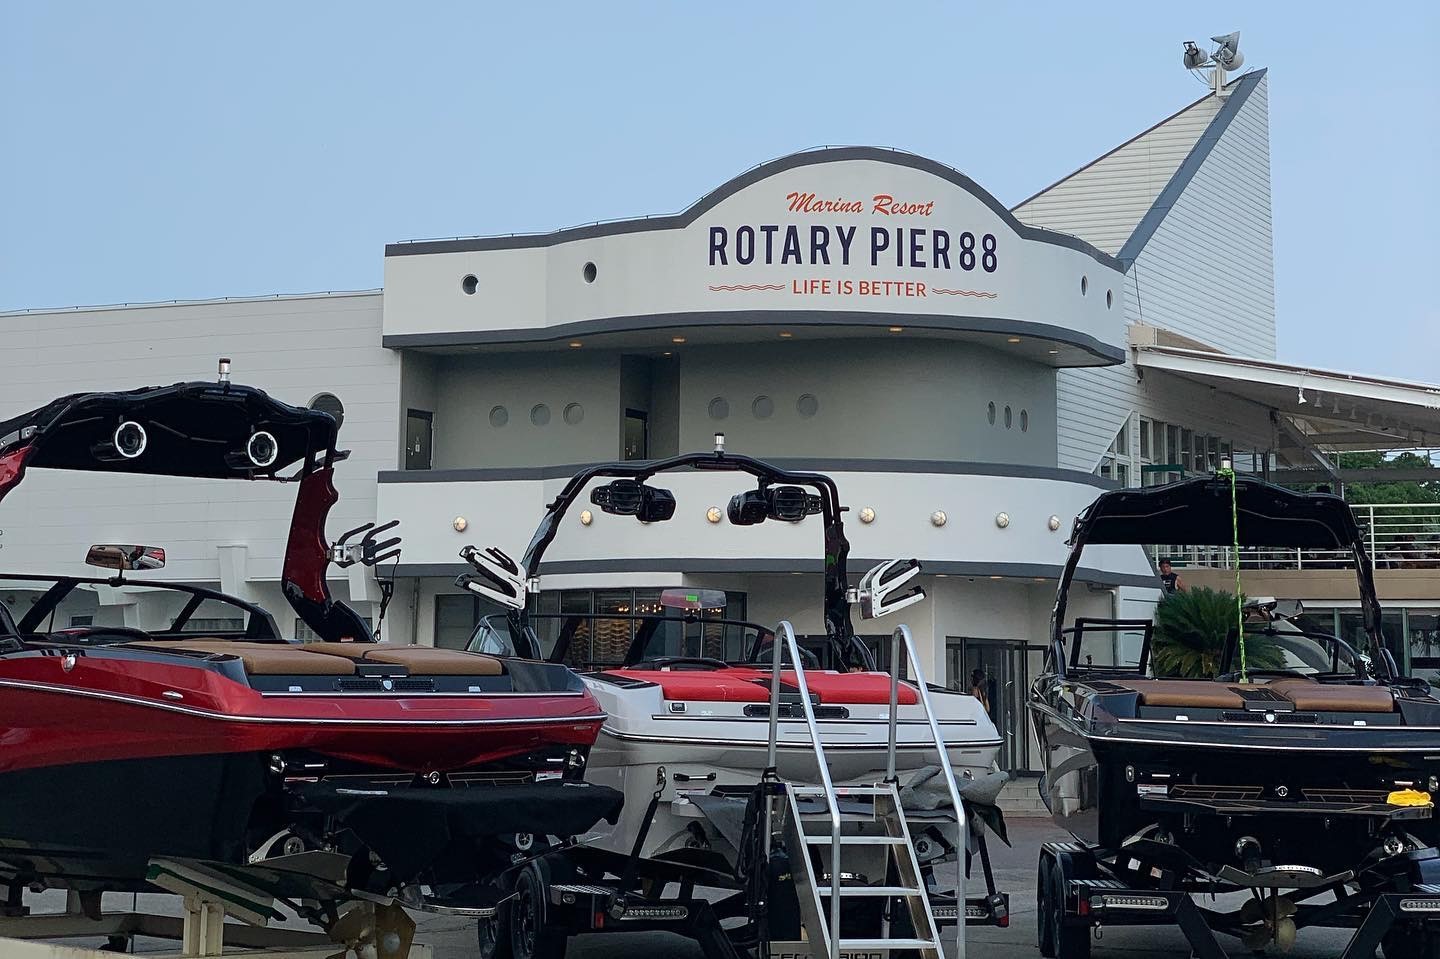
x=1397, y=535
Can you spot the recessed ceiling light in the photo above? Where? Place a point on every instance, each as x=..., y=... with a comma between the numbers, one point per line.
x=1054, y=352
x=786, y=334
x=897, y=329
x=997, y=577
x=1012, y=339
x=677, y=339
x=668, y=353
x=575, y=344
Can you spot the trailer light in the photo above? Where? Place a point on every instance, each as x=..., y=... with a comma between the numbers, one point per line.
x=1137, y=903
x=1144, y=789
x=641, y=913
x=1420, y=905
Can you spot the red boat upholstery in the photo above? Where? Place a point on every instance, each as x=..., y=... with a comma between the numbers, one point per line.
x=744, y=685
x=260, y=659
x=419, y=660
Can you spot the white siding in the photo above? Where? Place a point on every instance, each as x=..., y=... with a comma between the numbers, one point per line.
x=1211, y=285
x=1103, y=202
x=292, y=347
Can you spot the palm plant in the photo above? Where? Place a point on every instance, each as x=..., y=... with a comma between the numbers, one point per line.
x=1190, y=632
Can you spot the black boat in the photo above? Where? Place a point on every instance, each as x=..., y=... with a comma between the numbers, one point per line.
x=1307, y=765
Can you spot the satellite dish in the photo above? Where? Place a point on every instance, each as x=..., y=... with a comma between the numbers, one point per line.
x=1227, y=55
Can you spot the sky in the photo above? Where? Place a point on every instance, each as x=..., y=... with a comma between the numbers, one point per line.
x=153, y=150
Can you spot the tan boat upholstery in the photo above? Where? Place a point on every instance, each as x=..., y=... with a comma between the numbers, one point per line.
x=260, y=659
x=1311, y=696
x=419, y=660
x=1186, y=693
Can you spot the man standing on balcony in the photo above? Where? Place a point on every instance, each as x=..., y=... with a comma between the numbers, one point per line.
x=1169, y=579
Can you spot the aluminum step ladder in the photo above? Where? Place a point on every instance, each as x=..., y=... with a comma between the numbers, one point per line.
x=852, y=843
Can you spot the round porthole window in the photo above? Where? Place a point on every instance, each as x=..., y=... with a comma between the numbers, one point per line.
x=990, y=413
x=540, y=414
x=807, y=405
x=1024, y=421
x=470, y=284
x=330, y=403
x=574, y=413
x=763, y=407
x=1084, y=285
x=589, y=272
x=499, y=416
x=719, y=408
x=1007, y=417
x=1109, y=299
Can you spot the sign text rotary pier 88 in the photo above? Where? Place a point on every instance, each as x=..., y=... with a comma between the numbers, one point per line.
x=890, y=233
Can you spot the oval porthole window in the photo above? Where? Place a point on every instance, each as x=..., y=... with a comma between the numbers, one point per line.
x=574, y=413
x=540, y=414
x=1109, y=299
x=990, y=413
x=719, y=408
x=763, y=407
x=1007, y=417
x=589, y=272
x=1024, y=421
x=499, y=416
x=470, y=284
x=330, y=403
x=1084, y=285
x=807, y=405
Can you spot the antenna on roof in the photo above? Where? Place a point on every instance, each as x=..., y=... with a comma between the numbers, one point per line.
x=1225, y=59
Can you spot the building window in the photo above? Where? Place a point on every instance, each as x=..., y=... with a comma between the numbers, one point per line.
x=77, y=621
x=597, y=641
x=419, y=433
x=214, y=624
x=637, y=436
x=1115, y=464
x=307, y=635
x=455, y=617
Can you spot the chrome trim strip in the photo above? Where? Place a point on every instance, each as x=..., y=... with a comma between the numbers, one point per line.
x=703, y=741
x=392, y=694
x=877, y=721
x=295, y=720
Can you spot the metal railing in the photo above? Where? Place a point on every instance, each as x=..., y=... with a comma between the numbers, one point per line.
x=904, y=644
x=786, y=633
x=1397, y=536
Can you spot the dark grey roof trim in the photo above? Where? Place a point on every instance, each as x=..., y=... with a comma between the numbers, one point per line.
x=815, y=465
x=1153, y=217
x=788, y=318
x=753, y=566
x=749, y=177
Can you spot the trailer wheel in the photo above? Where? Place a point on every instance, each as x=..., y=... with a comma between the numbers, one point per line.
x=1410, y=942
x=1071, y=942
x=1044, y=927
x=530, y=936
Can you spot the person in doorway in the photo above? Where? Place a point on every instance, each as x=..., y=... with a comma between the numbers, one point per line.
x=1170, y=580
x=977, y=689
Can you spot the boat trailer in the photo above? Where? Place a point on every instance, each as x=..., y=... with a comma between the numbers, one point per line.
x=807, y=848
x=1394, y=905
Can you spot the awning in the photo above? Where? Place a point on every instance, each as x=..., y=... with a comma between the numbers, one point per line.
x=1327, y=409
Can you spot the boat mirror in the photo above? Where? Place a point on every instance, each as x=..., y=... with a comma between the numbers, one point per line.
x=626, y=497
x=125, y=557
x=712, y=600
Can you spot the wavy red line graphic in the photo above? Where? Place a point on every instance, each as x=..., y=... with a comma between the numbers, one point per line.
x=944, y=292
x=747, y=287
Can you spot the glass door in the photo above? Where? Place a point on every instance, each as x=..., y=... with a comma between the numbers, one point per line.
x=996, y=671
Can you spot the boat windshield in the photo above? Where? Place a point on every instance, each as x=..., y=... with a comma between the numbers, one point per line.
x=598, y=641
x=1277, y=644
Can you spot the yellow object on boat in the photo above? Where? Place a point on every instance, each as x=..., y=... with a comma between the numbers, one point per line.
x=1408, y=797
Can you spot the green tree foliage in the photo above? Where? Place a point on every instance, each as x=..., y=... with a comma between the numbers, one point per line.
x=1403, y=492
x=1190, y=632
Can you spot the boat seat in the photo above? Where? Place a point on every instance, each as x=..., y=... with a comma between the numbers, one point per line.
x=419, y=660
x=259, y=659
x=1186, y=693
x=1310, y=696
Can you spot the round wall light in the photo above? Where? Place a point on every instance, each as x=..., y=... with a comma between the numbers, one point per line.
x=713, y=514
x=867, y=515
x=459, y=524
x=1053, y=522
x=1002, y=520
x=586, y=517
x=938, y=518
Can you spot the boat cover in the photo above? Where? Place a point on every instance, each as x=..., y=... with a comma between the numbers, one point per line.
x=744, y=685
x=410, y=828
x=1198, y=513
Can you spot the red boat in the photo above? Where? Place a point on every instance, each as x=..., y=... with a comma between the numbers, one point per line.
x=342, y=765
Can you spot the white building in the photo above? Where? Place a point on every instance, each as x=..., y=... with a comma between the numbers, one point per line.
x=863, y=312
